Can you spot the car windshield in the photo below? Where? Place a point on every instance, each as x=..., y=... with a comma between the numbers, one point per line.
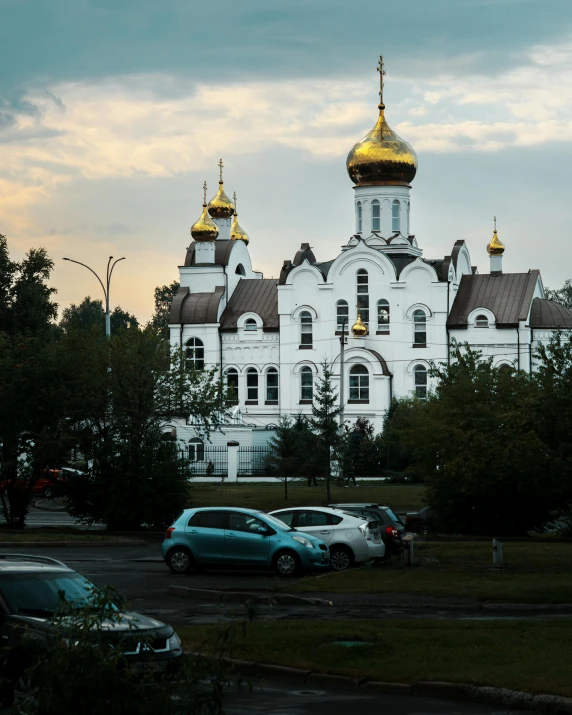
x=392, y=516
x=274, y=521
x=38, y=593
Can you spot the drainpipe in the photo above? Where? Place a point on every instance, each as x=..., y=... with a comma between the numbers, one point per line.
x=518, y=344
x=447, y=325
x=530, y=351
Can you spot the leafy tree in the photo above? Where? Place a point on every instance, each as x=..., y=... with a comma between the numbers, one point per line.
x=562, y=295
x=360, y=450
x=396, y=456
x=292, y=448
x=163, y=298
x=324, y=423
x=90, y=313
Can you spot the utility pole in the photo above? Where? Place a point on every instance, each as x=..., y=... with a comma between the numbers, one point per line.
x=342, y=347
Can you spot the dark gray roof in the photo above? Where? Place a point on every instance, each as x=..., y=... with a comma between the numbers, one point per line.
x=324, y=267
x=400, y=261
x=548, y=314
x=508, y=296
x=304, y=253
x=195, y=308
x=381, y=361
x=253, y=295
x=222, y=253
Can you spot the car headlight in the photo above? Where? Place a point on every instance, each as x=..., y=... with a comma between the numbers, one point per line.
x=303, y=541
x=174, y=642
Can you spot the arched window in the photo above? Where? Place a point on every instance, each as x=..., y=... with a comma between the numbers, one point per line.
x=232, y=385
x=305, y=329
x=375, y=216
x=395, y=217
x=306, y=384
x=240, y=270
x=342, y=314
x=359, y=217
x=196, y=450
x=272, y=385
x=251, y=385
x=419, y=328
x=250, y=324
x=362, y=295
x=383, y=316
x=505, y=367
x=359, y=383
x=420, y=373
x=481, y=321
x=194, y=354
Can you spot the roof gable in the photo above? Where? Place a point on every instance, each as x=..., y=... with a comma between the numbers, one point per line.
x=252, y=295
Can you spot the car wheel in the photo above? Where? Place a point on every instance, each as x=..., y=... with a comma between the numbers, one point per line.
x=341, y=558
x=286, y=564
x=48, y=492
x=180, y=560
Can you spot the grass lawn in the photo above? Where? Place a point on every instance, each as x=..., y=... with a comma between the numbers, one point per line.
x=537, y=572
x=271, y=496
x=31, y=537
x=533, y=656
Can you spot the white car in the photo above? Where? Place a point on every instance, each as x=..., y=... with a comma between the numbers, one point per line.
x=352, y=539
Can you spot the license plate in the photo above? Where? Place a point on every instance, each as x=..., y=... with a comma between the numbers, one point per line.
x=152, y=666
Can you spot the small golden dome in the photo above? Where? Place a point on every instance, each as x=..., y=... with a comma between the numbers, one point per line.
x=220, y=206
x=237, y=233
x=359, y=329
x=495, y=247
x=382, y=157
x=205, y=229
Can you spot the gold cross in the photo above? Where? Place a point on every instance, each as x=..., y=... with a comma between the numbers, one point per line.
x=381, y=70
x=220, y=167
x=204, y=192
x=234, y=197
x=495, y=223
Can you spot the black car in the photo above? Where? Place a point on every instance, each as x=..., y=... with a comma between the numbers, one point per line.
x=390, y=525
x=29, y=597
x=422, y=522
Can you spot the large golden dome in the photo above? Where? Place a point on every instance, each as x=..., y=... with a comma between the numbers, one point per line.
x=382, y=157
x=220, y=206
x=205, y=229
x=237, y=233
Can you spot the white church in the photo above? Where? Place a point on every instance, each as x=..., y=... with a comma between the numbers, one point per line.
x=399, y=309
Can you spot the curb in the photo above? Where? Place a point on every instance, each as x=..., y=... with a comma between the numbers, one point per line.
x=45, y=544
x=208, y=594
x=434, y=689
x=48, y=508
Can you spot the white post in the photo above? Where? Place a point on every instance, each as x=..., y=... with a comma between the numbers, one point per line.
x=232, y=460
x=498, y=556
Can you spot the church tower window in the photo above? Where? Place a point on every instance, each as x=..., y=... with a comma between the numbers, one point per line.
x=272, y=385
x=419, y=328
x=251, y=385
x=359, y=211
x=420, y=373
x=342, y=314
x=375, y=215
x=194, y=354
x=359, y=383
x=305, y=329
x=395, y=216
x=383, y=316
x=363, y=295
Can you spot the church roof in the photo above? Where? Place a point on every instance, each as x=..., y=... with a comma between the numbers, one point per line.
x=223, y=248
x=195, y=308
x=548, y=314
x=252, y=295
x=508, y=296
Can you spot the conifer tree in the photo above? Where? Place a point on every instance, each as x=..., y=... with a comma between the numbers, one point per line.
x=324, y=421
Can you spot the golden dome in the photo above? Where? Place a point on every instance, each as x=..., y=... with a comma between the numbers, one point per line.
x=205, y=229
x=237, y=233
x=382, y=157
x=495, y=247
x=359, y=329
x=220, y=206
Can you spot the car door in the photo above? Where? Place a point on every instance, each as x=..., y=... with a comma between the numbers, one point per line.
x=244, y=542
x=205, y=533
x=316, y=523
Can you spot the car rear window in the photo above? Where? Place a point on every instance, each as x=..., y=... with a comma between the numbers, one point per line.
x=209, y=519
x=391, y=515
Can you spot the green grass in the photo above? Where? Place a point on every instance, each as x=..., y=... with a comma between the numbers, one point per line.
x=533, y=656
x=32, y=537
x=537, y=572
x=271, y=496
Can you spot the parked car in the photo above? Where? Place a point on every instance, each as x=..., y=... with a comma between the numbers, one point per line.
x=228, y=537
x=422, y=522
x=29, y=595
x=390, y=525
x=51, y=483
x=351, y=539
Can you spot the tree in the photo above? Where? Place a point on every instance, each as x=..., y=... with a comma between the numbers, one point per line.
x=324, y=424
x=90, y=313
x=163, y=298
x=396, y=456
x=292, y=446
x=562, y=295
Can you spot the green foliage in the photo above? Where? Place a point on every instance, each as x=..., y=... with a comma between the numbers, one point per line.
x=163, y=298
x=324, y=423
x=562, y=295
x=91, y=314
x=293, y=447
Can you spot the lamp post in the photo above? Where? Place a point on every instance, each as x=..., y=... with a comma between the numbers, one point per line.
x=342, y=348
x=105, y=287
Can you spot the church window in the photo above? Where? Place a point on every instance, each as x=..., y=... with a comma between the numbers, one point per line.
x=250, y=324
x=419, y=328
x=194, y=354
x=240, y=270
x=395, y=209
x=306, y=384
x=251, y=385
x=363, y=295
x=342, y=314
x=196, y=450
x=420, y=373
x=375, y=216
x=272, y=385
x=481, y=321
x=359, y=217
x=305, y=329
x=359, y=383
x=232, y=386
x=383, y=316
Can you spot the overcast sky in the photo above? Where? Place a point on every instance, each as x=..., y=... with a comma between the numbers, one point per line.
x=112, y=113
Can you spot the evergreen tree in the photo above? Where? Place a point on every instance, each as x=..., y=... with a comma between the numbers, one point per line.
x=163, y=298
x=292, y=446
x=324, y=423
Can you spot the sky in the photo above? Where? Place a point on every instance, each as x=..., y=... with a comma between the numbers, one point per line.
x=113, y=113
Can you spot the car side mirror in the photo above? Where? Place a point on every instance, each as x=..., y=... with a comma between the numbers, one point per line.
x=263, y=530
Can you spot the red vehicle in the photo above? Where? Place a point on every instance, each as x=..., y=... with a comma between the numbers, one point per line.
x=51, y=483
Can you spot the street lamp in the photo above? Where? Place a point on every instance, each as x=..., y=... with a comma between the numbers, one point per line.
x=105, y=287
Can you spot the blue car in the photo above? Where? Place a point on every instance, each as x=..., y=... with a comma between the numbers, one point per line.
x=227, y=537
